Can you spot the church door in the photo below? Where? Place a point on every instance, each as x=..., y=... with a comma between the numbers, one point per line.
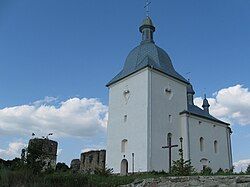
x=124, y=167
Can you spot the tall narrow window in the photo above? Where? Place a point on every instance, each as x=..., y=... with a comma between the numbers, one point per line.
x=215, y=146
x=124, y=145
x=201, y=143
x=169, y=139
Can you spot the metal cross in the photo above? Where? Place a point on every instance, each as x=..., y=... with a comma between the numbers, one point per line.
x=188, y=75
x=147, y=7
x=169, y=147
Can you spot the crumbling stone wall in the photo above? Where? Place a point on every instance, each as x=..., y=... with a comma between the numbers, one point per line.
x=92, y=160
x=75, y=165
x=48, y=149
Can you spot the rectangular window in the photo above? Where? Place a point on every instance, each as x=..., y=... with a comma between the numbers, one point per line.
x=125, y=118
x=170, y=119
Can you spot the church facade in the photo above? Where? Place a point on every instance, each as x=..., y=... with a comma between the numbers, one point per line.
x=151, y=106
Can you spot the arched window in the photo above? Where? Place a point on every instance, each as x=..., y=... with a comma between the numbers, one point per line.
x=215, y=146
x=201, y=143
x=169, y=139
x=124, y=145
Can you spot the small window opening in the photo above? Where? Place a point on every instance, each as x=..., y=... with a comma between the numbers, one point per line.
x=215, y=146
x=201, y=144
x=170, y=119
x=124, y=145
x=125, y=118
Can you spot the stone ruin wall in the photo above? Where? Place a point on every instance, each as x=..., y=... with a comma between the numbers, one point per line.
x=75, y=165
x=49, y=149
x=92, y=160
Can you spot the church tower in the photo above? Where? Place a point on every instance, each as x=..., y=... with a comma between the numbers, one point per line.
x=145, y=99
x=151, y=106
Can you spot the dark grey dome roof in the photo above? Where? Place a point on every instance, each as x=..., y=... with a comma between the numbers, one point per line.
x=140, y=54
x=147, y=54
x=190, y=89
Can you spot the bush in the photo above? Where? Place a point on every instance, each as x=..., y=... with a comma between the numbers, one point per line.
x=103, y=171
x=248, y=169
x=220, y=172
x=61, y=167
x=65, y=179
x=207, y=171
x=182, y=167
x=162, y=172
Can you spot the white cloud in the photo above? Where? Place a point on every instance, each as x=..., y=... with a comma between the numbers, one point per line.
x=94, y=147
x=73, y=117
x=230, y=104
x=59, y=151
x=87, y=150
x=45, y=101
x=13, y=150
x=241, y=165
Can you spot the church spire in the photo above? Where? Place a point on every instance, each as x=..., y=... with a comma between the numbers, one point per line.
x=205, y=104
x=147, y=29
x=190, y=94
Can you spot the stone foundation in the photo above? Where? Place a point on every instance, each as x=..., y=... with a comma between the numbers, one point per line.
x=197, y=181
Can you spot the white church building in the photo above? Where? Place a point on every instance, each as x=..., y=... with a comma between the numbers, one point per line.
x=151, y=106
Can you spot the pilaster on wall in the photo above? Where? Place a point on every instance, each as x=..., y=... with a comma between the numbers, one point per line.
x=185, y=136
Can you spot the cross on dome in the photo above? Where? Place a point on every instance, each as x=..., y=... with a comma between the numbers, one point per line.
x=147, y=7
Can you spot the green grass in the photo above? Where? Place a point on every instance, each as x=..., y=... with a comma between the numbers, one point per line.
x=60, y=179
x=25, y=177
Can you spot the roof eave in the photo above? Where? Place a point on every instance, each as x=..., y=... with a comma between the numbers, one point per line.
x=112, y=82
x=218, y=121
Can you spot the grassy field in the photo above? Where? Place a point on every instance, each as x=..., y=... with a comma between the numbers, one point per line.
x=25, y=178
x=67, y=179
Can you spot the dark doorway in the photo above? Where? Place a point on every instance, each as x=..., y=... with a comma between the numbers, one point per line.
x=124, y=167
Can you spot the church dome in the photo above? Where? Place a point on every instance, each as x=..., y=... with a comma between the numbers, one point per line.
x=147, y=54
x=147, y=21
x=190, y=89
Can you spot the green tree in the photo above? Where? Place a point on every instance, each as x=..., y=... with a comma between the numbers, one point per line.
x=182, y=167
x=206, y=171
x=35, y=157
x=61, y=167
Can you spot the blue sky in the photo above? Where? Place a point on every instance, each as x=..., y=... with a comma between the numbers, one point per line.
x=55, y=53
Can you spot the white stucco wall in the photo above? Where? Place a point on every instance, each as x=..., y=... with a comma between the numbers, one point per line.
x=210, y=131
x=162, y=105
x=148, y=108
x=135, y=128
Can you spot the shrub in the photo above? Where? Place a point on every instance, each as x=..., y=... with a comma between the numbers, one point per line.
x=162, y=172
x=220, y=172
x=248, y=169
x=182, y=167
x=206, y=171
x=61, y=167
x=65, y=179
x=103, y=171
